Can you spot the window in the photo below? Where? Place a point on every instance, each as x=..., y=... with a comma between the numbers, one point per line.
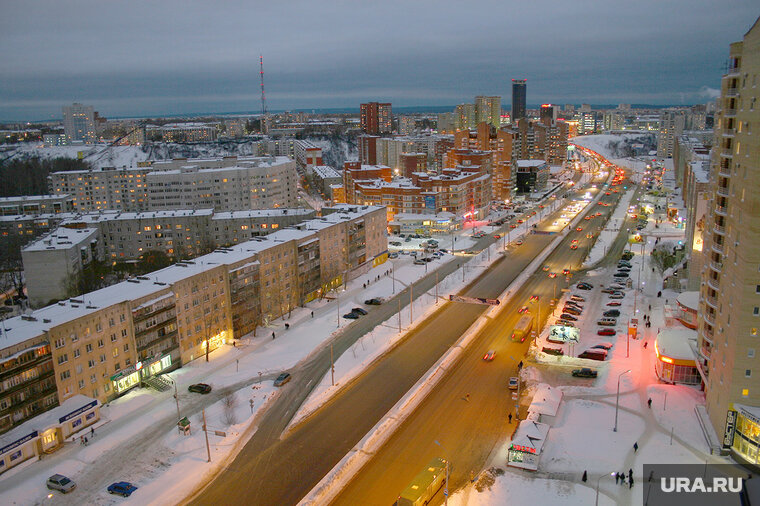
x=115, y=352
x=62, y=359
x=121, y=318
x=113, y=338
x=756, y=311
x=102, y=358
x=117, y=367
x=126, y=347
x=100, y=343
x=91, y=363
x=127, y=361
x=98, y=327
x=123, y=332
x=61, y=342
x=76, y=353
x=92, y=378
x=65, y=375
x=89, y=348
x=748, y=373
x=81, y=384
x=753, y=331
x=750, y=352
x=79, y=368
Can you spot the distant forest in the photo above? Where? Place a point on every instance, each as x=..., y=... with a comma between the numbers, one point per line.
x=29, y=176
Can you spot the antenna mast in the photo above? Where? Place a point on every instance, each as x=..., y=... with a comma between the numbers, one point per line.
x=263, y=98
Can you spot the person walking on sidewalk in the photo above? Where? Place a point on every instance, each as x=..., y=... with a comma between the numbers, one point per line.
x=649, y=403
x=617, y=478
x=635, y=447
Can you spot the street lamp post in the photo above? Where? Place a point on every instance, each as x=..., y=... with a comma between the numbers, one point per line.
x=617, y=399
x=176, y=396
x=597, y=487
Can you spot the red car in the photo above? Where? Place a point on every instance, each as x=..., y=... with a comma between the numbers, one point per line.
x=566, y=272
x=606, y=332
x=513, y=226
x=614, y=303
x=552, y=275
x=579, y=229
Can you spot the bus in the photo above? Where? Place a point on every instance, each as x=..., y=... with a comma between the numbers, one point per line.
x=425, y=485
x=522, y=328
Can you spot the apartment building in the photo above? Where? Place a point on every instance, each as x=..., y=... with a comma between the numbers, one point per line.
x=324, y=177
x=36, y=205
x=376, y=118
x=729, y=307
x=488, y=110
x=184, y=132
x=307, y=154
x=389, y=150
x=79, y=123
x=226, y=184
x=519, y=94
x=672, y=124
x=103, y=343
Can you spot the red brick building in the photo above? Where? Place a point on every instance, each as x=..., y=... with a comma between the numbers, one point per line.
x=376, y=118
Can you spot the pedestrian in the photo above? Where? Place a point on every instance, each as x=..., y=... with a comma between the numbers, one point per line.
x=645, y=342
x=649, y=403
x=635, y=447
x=630, y=474
x=287, y=326
x=659, y=294
x=510, y=417
x=630, y=482
x=81, y=440
x=272, y=335
x=585, y=477
x=85, y=441
x=650, y=307
x=617, y=478
x=519, y=366
x=364, y=285
x=92, y=431
x=622, y=478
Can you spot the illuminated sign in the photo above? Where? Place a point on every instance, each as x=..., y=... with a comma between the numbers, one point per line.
x=526, y=449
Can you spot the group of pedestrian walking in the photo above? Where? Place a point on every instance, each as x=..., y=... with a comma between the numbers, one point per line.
x=621, y=479
x=377, y=278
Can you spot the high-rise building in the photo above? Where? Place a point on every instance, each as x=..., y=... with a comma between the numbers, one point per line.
x=488, y=110
x=465, y=116
x=519, y=90
x=548, y=113
x=729, y=301
x=671, y=127
x=376, y=118
x=79, y=123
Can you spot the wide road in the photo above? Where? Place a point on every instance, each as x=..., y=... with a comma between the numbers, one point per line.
x=449, y=425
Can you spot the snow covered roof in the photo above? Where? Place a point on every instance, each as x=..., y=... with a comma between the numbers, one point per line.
x=546, y=400
x=530, y=163
x=45, y=420
x=261, y=213
x=674, y=343
x=325, y=171
x=63, y=239
x=689, y=300
x=531, y=434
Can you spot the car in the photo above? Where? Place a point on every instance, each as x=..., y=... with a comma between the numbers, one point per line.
x=607, y=322
x=606, y=332
x=589, y=235
x=394, y=243
x=579, y=229
x=624, y=269
x=393, y=254
x=612, y=312
x=523, y=309
x=577, y=298
x=584, y=372
x=513, y=226
x=565, y=272
x=564, y=323
x=61, y=483
x=553, y=351
x=607, y=193
x=627, y=255
x=520, y=221
x=568, y=317
x=621, y=275
x=351, y=316
x=587, y=218
x=373, y=302
x=624, y=263
x=490, y=355
x=572, y=303
x=617, y=295
x=552, y=275
x=572, y=310
x=199, y=388
x=546, y=268
x=123, y=488
x=608, y=290
x=359, y=310
x=533, y=298
x=419, y=261
x=617, y=286
x=497, y=236
x=594, y=354
x=585, y=286
x=519, y=242
x=470, y=252
x=604, y=345
x=408, y=239
x=283, y=378
x=514, y=382
x=574, y=241
x=614, y=303
x=573, y=246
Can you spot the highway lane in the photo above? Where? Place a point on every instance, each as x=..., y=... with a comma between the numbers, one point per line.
x=467, y=430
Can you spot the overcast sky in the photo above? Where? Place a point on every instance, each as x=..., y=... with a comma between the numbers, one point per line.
x=164, y=57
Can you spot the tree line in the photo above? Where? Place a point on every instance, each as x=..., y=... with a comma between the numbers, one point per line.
x=29, y=176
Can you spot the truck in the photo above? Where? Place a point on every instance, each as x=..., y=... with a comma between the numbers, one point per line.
x=522, y=328
x=425, y=485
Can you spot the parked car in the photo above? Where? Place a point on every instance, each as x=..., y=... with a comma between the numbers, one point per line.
x=585, y=286
x=627, y=255
x=624, y=263
x=283, y=378
x=546, y=268
x=608, y=290
x=566, y=323
x=606, y=332
x=523, y=309
x=359, y=310
x=617, y=295
x=393, y=254
x=61, y=483
x=577, y=298
x=553, y=351
x=614, y=303
x=621, y=275
x=123, y=488
x=514, y=381
x=584, y=372
x=568, y=317
x=199, y=388
x=419, y=261
x=373, y=302
x=490, y=355
x=605, y=345
x=595, y=354
x=351, y=316
x=612, y=312
x=519, y=242
x=571, y=310
x=574, y=304
x=607, y=322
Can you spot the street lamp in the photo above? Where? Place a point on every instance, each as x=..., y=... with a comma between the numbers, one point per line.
x=446, y=486
x=597, y=487
x=617, y=400
x=176, y=396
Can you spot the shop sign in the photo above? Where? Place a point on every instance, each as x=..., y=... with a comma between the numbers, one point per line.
x=19, y=442
x=728, y=434
x=525, y=449
x=78, y=412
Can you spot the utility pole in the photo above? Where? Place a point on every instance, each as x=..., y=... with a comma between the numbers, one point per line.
x=411, y=302
x=332, y=365
x=393, y=276
x=436, y=287
x=399, y=315
x=176, y=396
x=205, y=431
x=337, y=297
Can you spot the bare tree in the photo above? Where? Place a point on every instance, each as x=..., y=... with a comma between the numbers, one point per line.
x=229, y=402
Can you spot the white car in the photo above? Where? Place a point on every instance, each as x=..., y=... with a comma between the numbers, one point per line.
x=514, y=381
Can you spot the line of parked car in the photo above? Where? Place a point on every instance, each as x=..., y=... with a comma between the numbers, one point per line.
x=63, y=484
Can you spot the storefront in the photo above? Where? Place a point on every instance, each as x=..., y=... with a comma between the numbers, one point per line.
x=675, y=359
x=132, y=376
x=525, y=448
x=47, y=432
x=686, y=309
x=742, y=433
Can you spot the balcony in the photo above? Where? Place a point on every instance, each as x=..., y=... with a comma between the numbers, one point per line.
x=712, y=301
x=718, y=248
x=709, y=318
x=729, y=132
x=719, y=229
x=727, y=152
x=729, y=113
x=705, y=351
x=721, y=210
x=716, y=266
x=714, y=284
x=724, y=171
x=722, y=191
x=732, y=92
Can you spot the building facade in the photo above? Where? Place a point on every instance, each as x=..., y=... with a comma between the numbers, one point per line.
x=519, y=95
x=376, y=118
x=79, y=123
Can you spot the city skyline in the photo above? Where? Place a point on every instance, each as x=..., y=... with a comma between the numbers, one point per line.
x=205, y=60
